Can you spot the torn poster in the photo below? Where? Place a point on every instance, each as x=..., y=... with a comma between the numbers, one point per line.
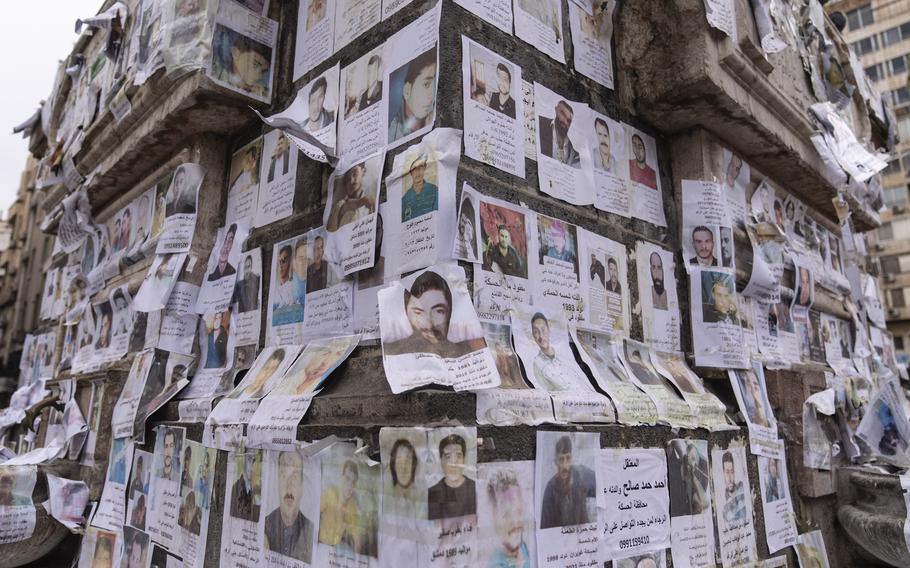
x=691, y=518
x=180, y=212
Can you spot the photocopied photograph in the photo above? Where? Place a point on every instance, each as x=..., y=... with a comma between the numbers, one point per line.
x=243, y=52
x=290, y=505
x=363, y=110
x=733, y=505
x=412, y=96
x=244, y=181
x=539, y=23
x=505, y=509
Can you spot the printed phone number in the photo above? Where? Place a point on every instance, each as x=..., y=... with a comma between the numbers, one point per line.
x=633, y=542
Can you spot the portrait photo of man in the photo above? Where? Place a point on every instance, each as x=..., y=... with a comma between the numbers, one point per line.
x=241, y=62
x=182, y=194
x=283, y=292
x=598, y=272
x=315, y=13
x=344, y=521
x=510, y=517
x=318, y=116
x=557, y=241
x=804, y=287
x=245, y=492
x=256, y=382
x=415, y=107
x=640, y=368
x=428, y=307
x=734, y=499
x=190, y=515
x=351, y=201
x=287, y=530
x=753, y=396
x=774, y=487
x=135, y=549
x=552, y=371
x=502, y=100
x=613, y=284
x=373, y=92
x=689, y=478
x=170, y=462
x=658, y=291
x=501, y=256
x=603, y=154
x=718, y=300
x=422, y=196
x=466, y=236
x=319, y=274
x=553, y=136
x=217, y=333
x=103, y=555
x=246, y=289
x=279, y=158
x=224, y=268
x=245, y=168
x=569, y=494
x=726, y=247
x=455, y=494
x=703, y=244
x=639, y=170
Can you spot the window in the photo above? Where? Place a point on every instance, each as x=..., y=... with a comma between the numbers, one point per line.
x=894, y=167
x=875, y=72
x=886, y=232
x=897, y=297
x=898, y=342
x=896, y=195
x=890, y=37
x=862, y=16
x=900, y=96
x=866, y=45
x=898, y=65
x=903, y=126
x=890, y=264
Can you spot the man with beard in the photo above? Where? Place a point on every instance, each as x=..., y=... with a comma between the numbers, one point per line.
x=613, y=284
x=428, y=307
x=246, y=291
x=318, y=274
x=658, y=292
x=734, y=510
x=350, y=202
x=170, y=465
x=224, y=268
x=453, y=495
x=510, y=521
x=287, y=531
x=244, y=496
x=598, y=273
x=568, y=491
x=804, y=296
x=726, y=247
x=603, y=158
x=553, y=134
x=552, y=372
x=639, y=170
x=688, y=472
x=502, y=255
x=703, y=243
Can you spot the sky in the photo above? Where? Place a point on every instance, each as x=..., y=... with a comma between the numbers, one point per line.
x=38, y=34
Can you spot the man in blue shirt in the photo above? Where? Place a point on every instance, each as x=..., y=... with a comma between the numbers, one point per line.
x=422, y=197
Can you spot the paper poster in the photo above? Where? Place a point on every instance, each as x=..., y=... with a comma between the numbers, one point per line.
x=752, y=397
x=173, y=329
x=555, y=272
x=216, y=341
x=409, y=79
x=563, y=157
x=167, y=375
x=243, y=183
x=75, y=221
x=592, y=34
x=451, y=497
x=164, y=507
x=136, y=545
x=493, y=108
x=721, y=15
x=566, y=491
x=709, y=410
x=17, y=511
x=221, y=274
x=127, y=405
x=505, y=239
x=884, y=428
x=99, y=547
x=540, y=24
x=403, y=451
x=671, y=408
x=111, y=509
x=243, y=56
x=733, y=506
x=290, y=509
x=644, y=174
x=635, y=509
x=777, y=507
x=707, y=229
x=68, y=500
x=274, y=424
x=599, y=353
x=421, y=195
x=604, y=284
x=716, y=331
x=180, y=212
x=277, y=179
x=361, y=123
x=390, y=7
x=159, y=282
x=656, y=271
x=240, y=546
x=505, y=514
x=349, y=512
x=350, y=213
x=691, y=518
x=329, y=298
x=353, y=18
x=767, y=263
x=736, y=179
x=137, y=493
x=288, y=288
x=370, y=281
x=541, y=340
x=196, y=479
x=656, y=559
x=810, y=550
x=247, y=299
x=431, y=334
x=315, y=35
x=238, y=407
x=609, y=157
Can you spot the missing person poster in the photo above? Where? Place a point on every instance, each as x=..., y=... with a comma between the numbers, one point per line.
x=671, y=408
x=716, y=331
x=68, y=499
x=244, y=182
x=493, y=109
x=498, y=12
x=99, y=547
x=403, y=451
x=274, y=424
x=609, y=158
x=710, y=412
x=371, y=280
x=691, y=518
x=555, y=272
x=290, y=508
x=733, y=506
x=604, y=284
x=540, y=24
x=777, y=507
x=17, y=510
x=351, y=212
x=127, y=405
x=221, y=273
x=196, y=487
x=635, y=507
x=164, y=508
x=353, y=18
x=137, y=493
x=159, y=281
x=240, y=546
x=752, y=397
x=430, y=333
x=644, y=174
x=410, y=79
x=246, y=300
x=592, y=34
x=288, y=289
x=566, y=491
x=180, y=210
x=656, y=271
x=707, y=229
x=563, y=157
x=315, y=35
x=243, y=58
x=505, y=514
x=363, y=111
x=420, y=192
x=277, y=179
